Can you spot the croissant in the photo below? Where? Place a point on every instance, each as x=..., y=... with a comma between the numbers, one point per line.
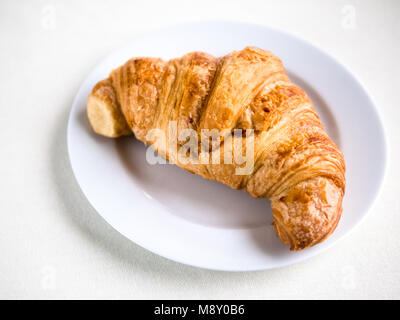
x=295, y=165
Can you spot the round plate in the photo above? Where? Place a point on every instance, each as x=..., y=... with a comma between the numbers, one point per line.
x=191, y=220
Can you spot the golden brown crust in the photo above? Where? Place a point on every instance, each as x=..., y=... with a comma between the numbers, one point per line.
x=137, y=84
x=239, y=78
x=308, y=212
x=296, y=164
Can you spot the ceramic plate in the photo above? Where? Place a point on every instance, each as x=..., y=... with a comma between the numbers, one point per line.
x=194, y=221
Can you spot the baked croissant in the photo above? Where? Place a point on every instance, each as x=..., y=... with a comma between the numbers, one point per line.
x=296, y=165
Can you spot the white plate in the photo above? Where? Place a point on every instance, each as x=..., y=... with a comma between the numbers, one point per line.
x=206, y=224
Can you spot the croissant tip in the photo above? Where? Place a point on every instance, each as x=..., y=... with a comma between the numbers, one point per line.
x=104, y=115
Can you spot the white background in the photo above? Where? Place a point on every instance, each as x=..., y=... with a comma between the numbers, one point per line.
x=54, y=245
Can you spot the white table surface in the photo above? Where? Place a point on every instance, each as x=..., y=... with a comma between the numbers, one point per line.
x=52, y=242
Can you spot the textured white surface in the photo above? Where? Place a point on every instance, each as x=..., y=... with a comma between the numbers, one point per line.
x=54, y=245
